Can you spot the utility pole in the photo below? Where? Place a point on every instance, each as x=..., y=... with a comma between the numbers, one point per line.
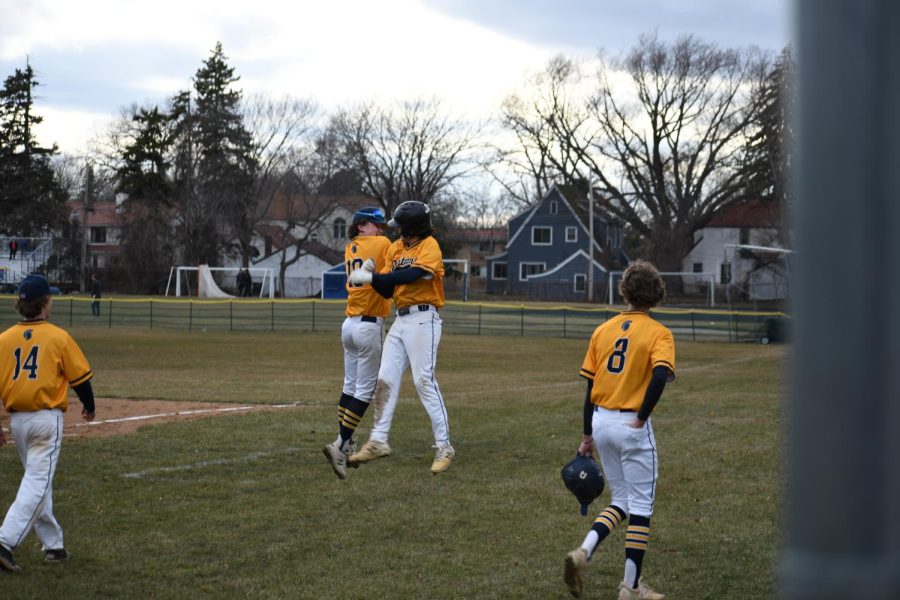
x=86, y=207
x=590, y=273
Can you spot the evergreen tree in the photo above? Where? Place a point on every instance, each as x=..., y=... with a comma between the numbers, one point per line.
x=225, y=167
x=31, y=199
x=768, y=148
x=146, y=234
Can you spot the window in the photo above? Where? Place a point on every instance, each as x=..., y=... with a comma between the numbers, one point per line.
x=527, y=269
x=580, y=282
x=541, y=236
x=314, y=237
x=698, y=267
x=554, y=207
x=725, y=273
x=571, y=234
x=339, y=229
x=745, y=235
x=499, y=270
x=475, y=270
x=98, y=235
x=484, y=246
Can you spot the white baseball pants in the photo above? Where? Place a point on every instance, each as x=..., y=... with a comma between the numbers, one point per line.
x=411, y=342
x=38, y=438
x=628, y=459
x=362, y=355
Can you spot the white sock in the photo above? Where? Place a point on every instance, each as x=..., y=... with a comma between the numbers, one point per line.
x=630, y=573
x=590, y=542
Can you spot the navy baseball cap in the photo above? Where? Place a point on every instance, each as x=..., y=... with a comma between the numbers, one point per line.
x=371, y=214
x=33, y=287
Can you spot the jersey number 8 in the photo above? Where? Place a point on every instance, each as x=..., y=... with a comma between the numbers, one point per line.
x=616, y=362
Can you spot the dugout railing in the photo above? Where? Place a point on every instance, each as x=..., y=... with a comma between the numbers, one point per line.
x=458, y=317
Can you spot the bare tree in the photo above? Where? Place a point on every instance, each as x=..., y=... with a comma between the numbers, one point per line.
x=411, y=151
x=279, y=129
x=661, y=133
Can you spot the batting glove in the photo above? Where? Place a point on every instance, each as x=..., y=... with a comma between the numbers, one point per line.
x=360, y=276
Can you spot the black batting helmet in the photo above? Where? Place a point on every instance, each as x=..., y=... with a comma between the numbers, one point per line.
x=583, y=478
x=413, y=218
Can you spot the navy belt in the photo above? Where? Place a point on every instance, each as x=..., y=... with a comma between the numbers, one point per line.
x=421, y=308
x=368, y=319
x=621, y=410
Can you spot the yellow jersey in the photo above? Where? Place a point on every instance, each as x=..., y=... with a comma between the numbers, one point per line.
x=426, y=255
x=38, y=363
x=621, y=357
x=363, y=299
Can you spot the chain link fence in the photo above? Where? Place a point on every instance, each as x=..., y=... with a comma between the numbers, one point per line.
x=459, y=318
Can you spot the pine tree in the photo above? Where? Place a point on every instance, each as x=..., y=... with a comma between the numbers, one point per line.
x=31, y=199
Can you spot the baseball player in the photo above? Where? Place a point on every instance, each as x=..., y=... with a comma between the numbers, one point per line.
x=629, y=360
x=414, y=278
x=39, y=363
x=361, y=333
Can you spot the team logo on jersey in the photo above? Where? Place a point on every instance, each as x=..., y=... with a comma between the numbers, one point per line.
x=27, y=334
x=353, y=249
x=626, y=325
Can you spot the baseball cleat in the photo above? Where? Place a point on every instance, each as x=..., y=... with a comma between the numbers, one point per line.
x=351, y=450
x=337, y=458
x=576, y=566
x=370, y=451
x=6, y=559
x=641, y=592
x=56, y=556
x=442, y=458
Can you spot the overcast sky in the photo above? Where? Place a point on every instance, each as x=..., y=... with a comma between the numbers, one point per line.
x=93, y=57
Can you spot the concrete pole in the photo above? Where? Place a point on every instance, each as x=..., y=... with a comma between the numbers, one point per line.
x=843, y=479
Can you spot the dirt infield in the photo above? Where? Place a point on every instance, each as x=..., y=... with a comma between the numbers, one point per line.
x=121, y=417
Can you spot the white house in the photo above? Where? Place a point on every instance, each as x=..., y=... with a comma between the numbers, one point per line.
x=741, y=246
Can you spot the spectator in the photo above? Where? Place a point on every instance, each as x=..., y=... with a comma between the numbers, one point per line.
x=13, y=248
x=245, y=283
x=96, y=292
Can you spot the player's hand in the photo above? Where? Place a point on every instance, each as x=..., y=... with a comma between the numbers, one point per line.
x=636, y=424
x=368, y=265
x=587, y=445
x=360, y=276
x=87, y=416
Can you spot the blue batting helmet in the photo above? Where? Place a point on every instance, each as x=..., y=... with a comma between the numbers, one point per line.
x=372, y=214
x=583, y=478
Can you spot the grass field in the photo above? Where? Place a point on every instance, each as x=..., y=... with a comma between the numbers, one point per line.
x=246, y=505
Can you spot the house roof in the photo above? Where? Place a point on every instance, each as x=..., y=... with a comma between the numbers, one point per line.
x=576, y=199
x=302, y=207
x=481, y=234
x=101, y=214
x=753, y=213
x=280, y=238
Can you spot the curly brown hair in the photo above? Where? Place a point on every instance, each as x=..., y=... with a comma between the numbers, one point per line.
x=29, y=309
x=642, y=286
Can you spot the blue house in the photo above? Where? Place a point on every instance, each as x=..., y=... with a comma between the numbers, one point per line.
x=547, y=255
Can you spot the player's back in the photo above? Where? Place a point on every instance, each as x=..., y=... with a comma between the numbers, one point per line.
x=39, y=362
x=621, y=357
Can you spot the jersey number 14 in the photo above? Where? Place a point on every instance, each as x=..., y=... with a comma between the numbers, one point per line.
x=30, y=364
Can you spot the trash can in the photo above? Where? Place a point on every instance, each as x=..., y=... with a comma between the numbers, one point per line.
x=775, y=330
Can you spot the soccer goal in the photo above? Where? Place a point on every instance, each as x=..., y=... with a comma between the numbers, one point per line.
x=681, y=287
x=205, y=286
x=757, y=272
x=451, y=275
